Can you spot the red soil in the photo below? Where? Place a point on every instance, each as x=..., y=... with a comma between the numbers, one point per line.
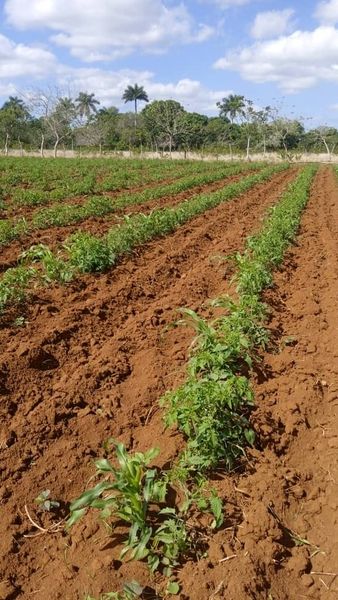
x=54, y=236
x=295, y=469
x=92, y=362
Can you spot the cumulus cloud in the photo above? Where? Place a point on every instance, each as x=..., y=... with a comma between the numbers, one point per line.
x=294, y=62
x=327, y=12
x=110, y=85
x=272, y=23
x=26, y=67
x=21, y=60
x=108, y=29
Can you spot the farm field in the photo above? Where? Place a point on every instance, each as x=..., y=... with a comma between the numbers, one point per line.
x=98, y=259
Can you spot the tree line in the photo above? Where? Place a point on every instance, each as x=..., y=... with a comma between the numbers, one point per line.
x=49, y=119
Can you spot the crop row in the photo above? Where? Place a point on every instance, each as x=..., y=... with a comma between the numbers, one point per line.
x=83, y=252
x=99, y=206
x=90, y=182
x=50, y=173
x=211, y=408
x=121, y=180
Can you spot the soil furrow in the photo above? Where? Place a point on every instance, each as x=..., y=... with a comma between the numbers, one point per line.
x=290, y=552
x=92, y=362
x=54, y=236
x=15, y=210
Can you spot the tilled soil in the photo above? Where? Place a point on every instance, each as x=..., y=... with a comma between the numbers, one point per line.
x=284, y=534
x=15, y=210
x=54, y=236
x=92, y=362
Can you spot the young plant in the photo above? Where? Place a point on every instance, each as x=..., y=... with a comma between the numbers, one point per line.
x=136, y=494
x=131, y=591
x=14, y=284
x=54, y=268
x=46, y=503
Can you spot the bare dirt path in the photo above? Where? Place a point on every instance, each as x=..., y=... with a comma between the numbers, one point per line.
x=283, y=510
x=92, y=362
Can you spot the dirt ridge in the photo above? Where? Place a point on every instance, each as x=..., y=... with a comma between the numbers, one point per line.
x=92, y=362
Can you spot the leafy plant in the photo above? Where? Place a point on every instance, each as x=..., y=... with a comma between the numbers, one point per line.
x=14, y=284
x=131, y=492
x=54, y=268
x=130, y=591
x=88, y=253
x=46, y=503
x=211, y=408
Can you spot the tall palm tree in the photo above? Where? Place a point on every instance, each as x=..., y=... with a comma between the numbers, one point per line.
x=232, y=107
x=134, y=93
x=17, y=106
x=86, y=104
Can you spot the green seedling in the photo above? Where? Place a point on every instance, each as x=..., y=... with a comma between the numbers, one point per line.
x=131, y=591
x=44, y=501
x=131, y=492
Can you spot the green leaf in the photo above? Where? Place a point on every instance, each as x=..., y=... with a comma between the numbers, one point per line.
x=104, y=465
x=133, y=587
x=87, y=497
x=173, y=588
x=250, y=436
x=75, y=516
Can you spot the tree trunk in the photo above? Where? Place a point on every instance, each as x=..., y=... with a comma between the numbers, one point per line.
x=6, y=144
x=56, y=145
x=100, y=146
x=248, y=148
x=135, y=118
x=230, y=148
x=21, y=148
x=264, y=145
x=42, y=145
x=327, y=148
x=170, y=146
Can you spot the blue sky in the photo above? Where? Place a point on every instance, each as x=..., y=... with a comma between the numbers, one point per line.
x=272, y=52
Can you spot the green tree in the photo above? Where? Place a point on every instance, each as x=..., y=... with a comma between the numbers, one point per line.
x=163, y=122
x=191, y=128
x=286, y=134
x=135, y=93
x=232, y=107
x=86, y=105
x=100, y=130
x=14, y=120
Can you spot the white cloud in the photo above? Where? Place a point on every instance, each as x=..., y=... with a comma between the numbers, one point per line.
x=20, y=60
x=108, y=29
x=327, y=12
x=24, y=66
x=110, y=85
x=272, y=23
x=294, y=62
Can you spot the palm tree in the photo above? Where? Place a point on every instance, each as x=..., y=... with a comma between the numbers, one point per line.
x=134, y=93
x=233, y=107
x=17, y=106
x=86, y=104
